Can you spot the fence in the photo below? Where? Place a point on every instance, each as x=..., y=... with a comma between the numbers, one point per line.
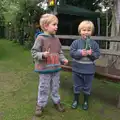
x=108, y=63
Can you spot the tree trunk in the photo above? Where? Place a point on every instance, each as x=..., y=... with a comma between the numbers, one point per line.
x=115, y=31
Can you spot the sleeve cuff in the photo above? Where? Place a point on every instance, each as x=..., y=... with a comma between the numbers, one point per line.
x=40, y=56
x=80, y=51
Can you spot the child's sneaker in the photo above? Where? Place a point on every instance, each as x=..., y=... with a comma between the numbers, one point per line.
x=59, y=107
x=39, y=111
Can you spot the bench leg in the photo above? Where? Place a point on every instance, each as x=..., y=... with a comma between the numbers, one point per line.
x=118, y=105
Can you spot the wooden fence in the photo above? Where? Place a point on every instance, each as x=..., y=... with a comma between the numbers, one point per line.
x=104, y=66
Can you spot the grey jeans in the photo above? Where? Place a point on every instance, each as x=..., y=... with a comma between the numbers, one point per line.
x=82, y=82
x=48, y=83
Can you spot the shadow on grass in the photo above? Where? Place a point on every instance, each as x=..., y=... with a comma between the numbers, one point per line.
x=105, y=92
x=101, y=89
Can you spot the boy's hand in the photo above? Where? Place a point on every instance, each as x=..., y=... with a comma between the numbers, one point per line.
x=45, y=54
x=89, y=52
x=65, y=62
x=84, y=52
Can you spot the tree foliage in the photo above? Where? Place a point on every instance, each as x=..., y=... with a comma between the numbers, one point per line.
x=89, y=4
x=20, y=17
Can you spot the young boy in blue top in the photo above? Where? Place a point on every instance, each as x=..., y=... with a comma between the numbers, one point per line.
x=84, y=52
x=48, y=55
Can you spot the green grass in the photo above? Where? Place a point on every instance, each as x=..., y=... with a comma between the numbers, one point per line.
x=18, y=91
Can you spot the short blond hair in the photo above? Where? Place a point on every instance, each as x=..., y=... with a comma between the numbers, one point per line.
x=84, y=23
x=47, y=19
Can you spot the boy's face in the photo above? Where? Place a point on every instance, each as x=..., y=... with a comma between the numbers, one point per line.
x=86, y=31
x=52, y=27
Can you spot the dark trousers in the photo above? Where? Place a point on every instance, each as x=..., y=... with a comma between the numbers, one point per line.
x=82, y=82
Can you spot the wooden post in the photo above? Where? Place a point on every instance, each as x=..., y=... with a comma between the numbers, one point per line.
x=118, y=105
x=107, y=27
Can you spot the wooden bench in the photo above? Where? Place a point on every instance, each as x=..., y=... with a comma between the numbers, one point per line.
x=103, y=61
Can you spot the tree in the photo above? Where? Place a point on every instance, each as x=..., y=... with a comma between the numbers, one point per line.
x=89, y=4
x=20, y=17
x=115, y=30
x=114, y=7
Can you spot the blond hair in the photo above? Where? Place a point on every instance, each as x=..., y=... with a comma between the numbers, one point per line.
x=86, y=23
x=47, y=19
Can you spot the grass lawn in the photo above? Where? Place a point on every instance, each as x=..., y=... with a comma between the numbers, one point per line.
x=18, y=91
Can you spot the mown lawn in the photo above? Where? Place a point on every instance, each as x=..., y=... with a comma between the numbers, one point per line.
x=18, y=91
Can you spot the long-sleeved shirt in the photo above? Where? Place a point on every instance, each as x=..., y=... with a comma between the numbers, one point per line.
x=52, y=63
x=84, y=64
